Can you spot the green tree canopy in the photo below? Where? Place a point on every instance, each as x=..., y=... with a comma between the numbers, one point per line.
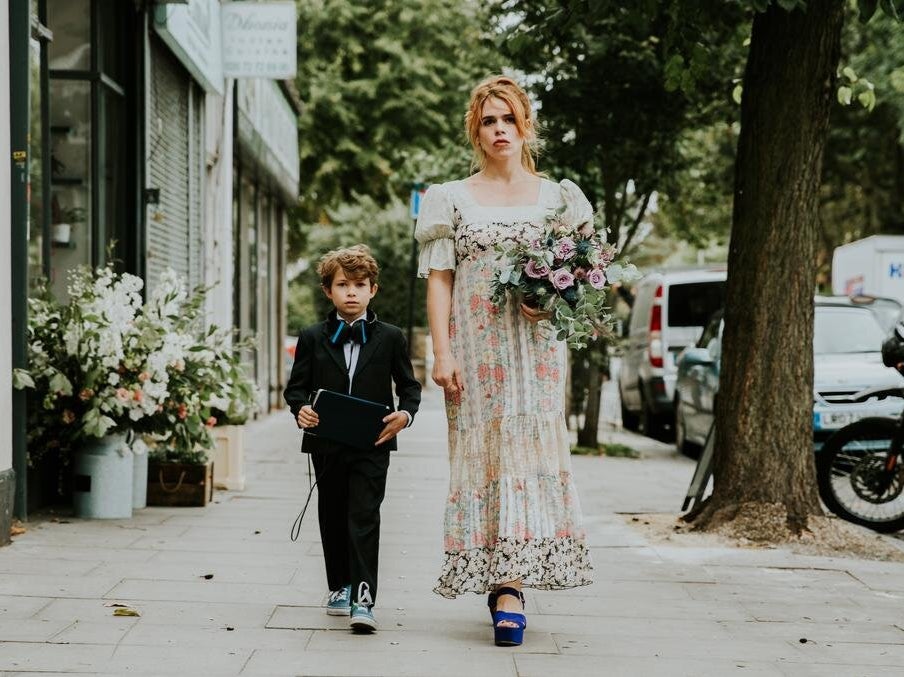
x=384, y=86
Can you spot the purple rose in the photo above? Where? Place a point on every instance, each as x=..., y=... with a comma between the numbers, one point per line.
x=596, y=278
x=561, y=279
x=564, y=249
x=536, y=270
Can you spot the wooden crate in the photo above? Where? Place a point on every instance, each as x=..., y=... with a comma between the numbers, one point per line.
x=180, y=484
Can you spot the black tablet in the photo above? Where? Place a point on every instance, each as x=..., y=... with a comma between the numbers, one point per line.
x=348, y=420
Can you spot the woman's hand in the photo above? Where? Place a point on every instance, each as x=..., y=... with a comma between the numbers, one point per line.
x=394, y=424
x=534, y=314
x=307, y=417
x=447, y=375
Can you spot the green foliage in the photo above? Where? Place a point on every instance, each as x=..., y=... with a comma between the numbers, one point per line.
x=388, y=233
x=380, y=83
x=618, y=85
x=863, y=170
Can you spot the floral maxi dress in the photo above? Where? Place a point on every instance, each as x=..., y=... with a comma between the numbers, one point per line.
x=512, y=511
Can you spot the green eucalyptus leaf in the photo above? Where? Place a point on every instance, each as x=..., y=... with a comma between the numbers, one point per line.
x=844, y=95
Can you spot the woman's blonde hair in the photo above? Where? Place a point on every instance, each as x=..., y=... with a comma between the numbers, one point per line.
x=506, y=89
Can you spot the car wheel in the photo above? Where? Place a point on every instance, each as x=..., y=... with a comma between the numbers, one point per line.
x=630, y=420
x=684, y=446
x=650, y=424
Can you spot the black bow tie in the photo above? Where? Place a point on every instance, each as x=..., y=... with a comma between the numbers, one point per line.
x=343, y=332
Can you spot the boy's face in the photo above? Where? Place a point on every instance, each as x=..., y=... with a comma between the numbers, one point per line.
x=351, y=297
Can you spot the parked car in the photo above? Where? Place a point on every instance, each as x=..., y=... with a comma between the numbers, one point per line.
x=670, y=309
x=289, y=343
x=847, y=338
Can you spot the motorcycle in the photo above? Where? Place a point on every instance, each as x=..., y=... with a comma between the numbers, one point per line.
x=860, y=468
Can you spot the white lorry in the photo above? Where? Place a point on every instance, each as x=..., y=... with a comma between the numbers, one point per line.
x=873, y=266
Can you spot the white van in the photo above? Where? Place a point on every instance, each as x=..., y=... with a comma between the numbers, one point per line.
x=670, y=309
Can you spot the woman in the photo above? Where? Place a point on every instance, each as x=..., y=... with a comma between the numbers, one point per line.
x=512, y=516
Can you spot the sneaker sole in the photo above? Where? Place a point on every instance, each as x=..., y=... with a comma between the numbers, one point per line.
x=363, y=625
x=338, y=612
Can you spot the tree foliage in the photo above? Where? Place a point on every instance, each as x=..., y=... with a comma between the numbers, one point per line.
x=384, y=86
x=388, y=232
x=615, y=96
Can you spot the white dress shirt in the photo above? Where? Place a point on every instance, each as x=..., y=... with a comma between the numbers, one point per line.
x=352, y=350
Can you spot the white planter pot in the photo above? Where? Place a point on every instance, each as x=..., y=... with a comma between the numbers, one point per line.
x=61, y=232
x=229, y=457
x=139, y=481
x=102, y=478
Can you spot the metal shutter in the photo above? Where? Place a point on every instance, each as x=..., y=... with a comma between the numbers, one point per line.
x=174, y=165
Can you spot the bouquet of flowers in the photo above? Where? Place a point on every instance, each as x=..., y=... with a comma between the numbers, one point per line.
x=564, y=271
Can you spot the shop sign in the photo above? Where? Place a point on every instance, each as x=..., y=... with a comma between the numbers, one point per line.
x=259, y=40
x=192, y=31
x=269, y=126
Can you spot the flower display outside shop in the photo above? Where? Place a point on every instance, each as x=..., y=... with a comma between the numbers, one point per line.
x=107, y=362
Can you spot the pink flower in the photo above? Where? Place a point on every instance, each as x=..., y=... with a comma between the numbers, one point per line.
x=123, y=395
x=607, y=255
x=561, y=279
x=596, y=278
x=536, y=270
x=211, y=422
x=564, y=249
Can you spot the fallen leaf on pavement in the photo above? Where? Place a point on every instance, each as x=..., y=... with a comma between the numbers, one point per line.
x=125, y=611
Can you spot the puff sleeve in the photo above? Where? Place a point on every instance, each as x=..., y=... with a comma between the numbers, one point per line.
x=434, y=231
x=578, y=210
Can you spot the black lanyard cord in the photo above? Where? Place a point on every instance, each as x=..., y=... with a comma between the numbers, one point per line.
x=296, y=526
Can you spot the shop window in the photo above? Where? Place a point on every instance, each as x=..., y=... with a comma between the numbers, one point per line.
x=70, y=21
x=86, y=183
x=70, y=179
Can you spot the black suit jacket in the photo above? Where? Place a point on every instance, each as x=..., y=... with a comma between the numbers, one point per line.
x=382, y=361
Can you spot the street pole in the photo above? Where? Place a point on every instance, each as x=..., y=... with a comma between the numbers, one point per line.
x=19, y=33
x=417, y=192
x=412, y=274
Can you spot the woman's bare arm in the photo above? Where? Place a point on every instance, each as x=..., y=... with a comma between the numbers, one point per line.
x=439, y=309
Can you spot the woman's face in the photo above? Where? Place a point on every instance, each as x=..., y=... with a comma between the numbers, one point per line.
x=498, y=134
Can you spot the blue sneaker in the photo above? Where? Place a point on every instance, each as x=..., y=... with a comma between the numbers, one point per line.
x=362, y=618
x=339, y=601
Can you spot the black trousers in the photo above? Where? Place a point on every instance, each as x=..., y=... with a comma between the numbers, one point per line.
x=350, y=488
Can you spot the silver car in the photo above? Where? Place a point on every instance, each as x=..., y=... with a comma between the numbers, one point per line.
x=848, y=374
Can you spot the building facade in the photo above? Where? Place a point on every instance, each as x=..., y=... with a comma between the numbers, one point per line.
x=142, y=153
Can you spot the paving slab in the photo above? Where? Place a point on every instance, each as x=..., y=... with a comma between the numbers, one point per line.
x=655, y=609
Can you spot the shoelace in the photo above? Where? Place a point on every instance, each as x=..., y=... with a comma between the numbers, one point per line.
x=340, y=595
x=364, y=598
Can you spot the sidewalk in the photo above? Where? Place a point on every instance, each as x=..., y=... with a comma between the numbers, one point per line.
x=654, y=609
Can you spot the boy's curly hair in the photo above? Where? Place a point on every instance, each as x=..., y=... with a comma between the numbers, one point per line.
x=356, y=262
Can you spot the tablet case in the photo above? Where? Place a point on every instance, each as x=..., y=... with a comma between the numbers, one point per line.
x=348, y=420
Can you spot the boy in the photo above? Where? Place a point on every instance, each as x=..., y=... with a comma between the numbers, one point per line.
x=352, y=352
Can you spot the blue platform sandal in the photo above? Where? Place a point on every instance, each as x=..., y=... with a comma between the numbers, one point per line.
x=504, y=635
x=491, y=603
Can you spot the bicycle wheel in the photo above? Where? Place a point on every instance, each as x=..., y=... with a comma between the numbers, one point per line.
x=853, y=481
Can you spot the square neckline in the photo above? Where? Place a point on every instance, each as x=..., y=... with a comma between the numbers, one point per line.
x=536, y=203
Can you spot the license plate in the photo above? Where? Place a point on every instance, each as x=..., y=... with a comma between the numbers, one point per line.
x=836, y=419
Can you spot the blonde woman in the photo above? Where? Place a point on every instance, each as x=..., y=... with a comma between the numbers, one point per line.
x=512, y=515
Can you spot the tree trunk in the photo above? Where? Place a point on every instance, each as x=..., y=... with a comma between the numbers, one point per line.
x=763, y=464
x=589, y=432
